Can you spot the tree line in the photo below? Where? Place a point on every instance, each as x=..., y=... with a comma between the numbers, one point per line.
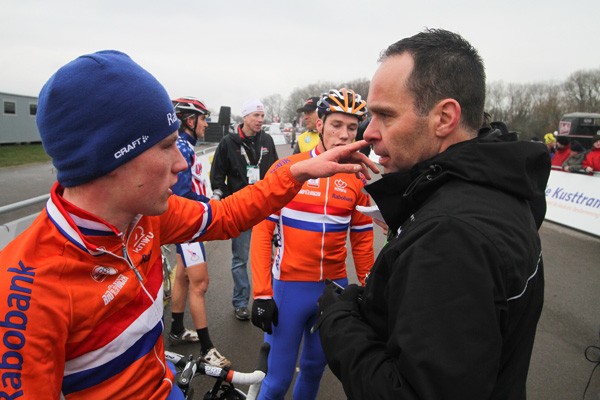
x=532, y=109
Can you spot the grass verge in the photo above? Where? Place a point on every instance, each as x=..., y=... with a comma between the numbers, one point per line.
x=20, y=154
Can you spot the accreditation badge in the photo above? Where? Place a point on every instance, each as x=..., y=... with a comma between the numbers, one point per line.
x=252, y=173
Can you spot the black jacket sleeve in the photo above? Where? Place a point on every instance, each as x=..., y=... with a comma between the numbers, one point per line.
x=219, y=168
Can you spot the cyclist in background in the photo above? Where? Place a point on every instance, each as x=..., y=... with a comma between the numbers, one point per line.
x=192, y=267
x=311, y=231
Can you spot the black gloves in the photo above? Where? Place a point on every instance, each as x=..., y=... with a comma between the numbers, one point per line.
x=331, y=295
x=264, y=313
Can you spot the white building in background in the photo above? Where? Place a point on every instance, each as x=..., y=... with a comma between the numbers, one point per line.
x=17, y=119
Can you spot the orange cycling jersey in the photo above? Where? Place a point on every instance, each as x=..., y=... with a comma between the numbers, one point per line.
x=312, y=231
x=81, y=308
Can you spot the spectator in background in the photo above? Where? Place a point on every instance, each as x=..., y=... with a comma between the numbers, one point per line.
x=550, y=141
x=575, y=160
x=293, y=133
x=562, y=152
x=591, y=162
x=576, y=156
x=309, y=139
x=192, y=268
x=242, y=158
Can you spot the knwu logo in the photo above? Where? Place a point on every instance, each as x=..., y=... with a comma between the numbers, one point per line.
x=340, y=186
x=141, y=239
x=131, y=146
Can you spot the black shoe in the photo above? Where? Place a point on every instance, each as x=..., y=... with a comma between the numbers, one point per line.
x=186, y=336
x=242, y=313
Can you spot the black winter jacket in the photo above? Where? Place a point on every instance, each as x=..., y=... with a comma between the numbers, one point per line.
x=451, y=305
x=228, y=169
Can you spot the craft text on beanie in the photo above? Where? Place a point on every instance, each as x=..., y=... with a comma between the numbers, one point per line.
x=100, y=111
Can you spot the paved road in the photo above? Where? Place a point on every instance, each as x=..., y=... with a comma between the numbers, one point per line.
x=570, y=320
x=22, y=183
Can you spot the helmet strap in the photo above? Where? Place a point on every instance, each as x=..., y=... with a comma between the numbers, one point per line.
x=321, y=133
x=195, y=124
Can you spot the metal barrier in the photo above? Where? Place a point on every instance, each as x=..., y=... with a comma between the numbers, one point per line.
x=9, y=230
x=24, y=203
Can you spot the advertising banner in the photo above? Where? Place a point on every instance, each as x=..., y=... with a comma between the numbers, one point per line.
x=574, y=200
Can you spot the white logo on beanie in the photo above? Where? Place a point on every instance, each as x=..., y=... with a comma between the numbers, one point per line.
x=172, y=118
x=130, y=146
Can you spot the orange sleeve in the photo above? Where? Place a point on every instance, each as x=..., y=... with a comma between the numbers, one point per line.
x=232, y=215
x=249, y=206
x=260, y=258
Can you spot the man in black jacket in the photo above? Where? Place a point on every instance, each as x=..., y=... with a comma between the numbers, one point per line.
x=450, y=308
x=242, y=158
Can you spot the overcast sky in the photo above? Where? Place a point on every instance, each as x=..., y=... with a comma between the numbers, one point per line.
x=226, y=52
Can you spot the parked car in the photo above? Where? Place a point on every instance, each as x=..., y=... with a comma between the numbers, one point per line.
x=274, y=129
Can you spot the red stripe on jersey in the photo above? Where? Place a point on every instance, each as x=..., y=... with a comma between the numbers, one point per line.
x=122, y=318
x=318, y=209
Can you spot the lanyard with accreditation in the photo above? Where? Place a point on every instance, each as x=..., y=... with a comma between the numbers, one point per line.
x=252, y=171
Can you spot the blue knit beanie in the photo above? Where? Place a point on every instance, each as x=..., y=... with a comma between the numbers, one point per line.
x=100, y=111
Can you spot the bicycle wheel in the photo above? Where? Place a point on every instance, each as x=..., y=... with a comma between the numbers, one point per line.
x=225, y=392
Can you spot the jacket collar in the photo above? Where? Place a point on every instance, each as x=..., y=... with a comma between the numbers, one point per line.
x=520, y=169
x=77, y=225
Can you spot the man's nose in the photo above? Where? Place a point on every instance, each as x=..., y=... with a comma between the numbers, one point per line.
x=370, y=132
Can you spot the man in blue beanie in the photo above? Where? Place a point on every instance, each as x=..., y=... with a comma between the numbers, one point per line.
x=81, y=290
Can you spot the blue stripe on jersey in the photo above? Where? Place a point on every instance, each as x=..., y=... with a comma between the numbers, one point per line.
x=95, y=232
x=88, y=378
x=313, y=226
x=362, y=229
x=208, y=219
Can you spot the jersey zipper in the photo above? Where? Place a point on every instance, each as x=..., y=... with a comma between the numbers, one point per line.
x=324, y=229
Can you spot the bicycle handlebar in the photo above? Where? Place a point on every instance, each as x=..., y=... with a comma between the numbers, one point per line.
x=249, y=378
x=190, y=368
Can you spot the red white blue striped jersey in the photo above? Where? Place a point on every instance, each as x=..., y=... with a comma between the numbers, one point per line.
x=311, y=233
x=81, y=304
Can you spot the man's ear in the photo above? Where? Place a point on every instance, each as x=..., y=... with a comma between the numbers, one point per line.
x=446, y=115
x=320, y=125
